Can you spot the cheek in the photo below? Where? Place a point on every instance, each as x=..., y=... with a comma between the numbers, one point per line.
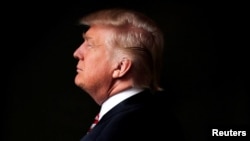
x=97, y=65
x=101, y=70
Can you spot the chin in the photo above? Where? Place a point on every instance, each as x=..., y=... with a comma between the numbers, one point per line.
x=77, y=81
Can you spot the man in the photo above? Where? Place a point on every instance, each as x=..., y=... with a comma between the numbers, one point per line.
x=119, y=66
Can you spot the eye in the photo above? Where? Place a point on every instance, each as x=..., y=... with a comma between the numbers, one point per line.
x=89, y=45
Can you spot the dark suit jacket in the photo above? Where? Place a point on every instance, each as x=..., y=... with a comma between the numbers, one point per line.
x=144, y=116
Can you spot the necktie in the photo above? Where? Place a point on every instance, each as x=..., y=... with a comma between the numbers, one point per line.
x=96, y=120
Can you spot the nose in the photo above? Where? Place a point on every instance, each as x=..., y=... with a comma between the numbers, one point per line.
x=77, y=54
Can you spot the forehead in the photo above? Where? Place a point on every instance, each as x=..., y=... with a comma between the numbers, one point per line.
x=98, y=33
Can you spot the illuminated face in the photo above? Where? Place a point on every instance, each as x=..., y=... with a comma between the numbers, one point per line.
x=94, y=67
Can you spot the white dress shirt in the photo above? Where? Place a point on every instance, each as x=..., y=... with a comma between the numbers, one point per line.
x=115, y=99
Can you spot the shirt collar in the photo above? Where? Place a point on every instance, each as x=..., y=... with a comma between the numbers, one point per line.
x=117, y=98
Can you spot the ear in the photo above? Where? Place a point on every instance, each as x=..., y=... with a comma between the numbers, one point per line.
x=122, y=68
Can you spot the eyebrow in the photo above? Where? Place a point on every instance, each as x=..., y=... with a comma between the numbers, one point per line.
x=86, y=37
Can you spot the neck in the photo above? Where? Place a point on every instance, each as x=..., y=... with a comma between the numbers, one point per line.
x=117, y=87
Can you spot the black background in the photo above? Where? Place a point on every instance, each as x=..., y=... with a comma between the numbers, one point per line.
x=205, y=66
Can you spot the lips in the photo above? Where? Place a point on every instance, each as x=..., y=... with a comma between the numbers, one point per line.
x=79, y=69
